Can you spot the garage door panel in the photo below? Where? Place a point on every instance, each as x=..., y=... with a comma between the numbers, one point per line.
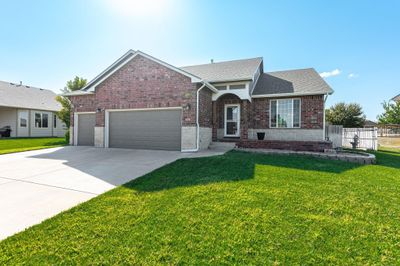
x=155, y=129
x=86, y=124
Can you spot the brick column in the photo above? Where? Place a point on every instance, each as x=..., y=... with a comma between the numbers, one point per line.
x=244, y=113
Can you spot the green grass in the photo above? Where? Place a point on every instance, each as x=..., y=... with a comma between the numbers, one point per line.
x=28, y=144
x=239, y=208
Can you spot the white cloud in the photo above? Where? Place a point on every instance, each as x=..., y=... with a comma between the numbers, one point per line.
x=353, y=75
x=332, y=73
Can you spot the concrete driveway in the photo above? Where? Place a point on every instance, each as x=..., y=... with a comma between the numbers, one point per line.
x=36, y=185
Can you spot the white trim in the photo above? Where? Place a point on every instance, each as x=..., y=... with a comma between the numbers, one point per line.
x=106, y=128
x=238, y=119
x=144, y=109
x=277, y=107
x=287, y=95
x=76, y=125
x=127, y=57
x=107, y=119
x=243, y=94
x=256, y=80
x=77, y=93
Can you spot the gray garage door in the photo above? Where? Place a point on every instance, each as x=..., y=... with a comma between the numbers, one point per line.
x=155, y=130
x=86, y=123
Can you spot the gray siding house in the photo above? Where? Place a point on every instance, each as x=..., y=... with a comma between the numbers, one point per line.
x=29, y=111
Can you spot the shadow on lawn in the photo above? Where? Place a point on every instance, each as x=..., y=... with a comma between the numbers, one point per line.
x=388, y=158
x=233, y=166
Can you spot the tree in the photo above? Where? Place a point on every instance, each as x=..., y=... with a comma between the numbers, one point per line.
x=391, y=114
x=76, y=84
x=72, y=85
x=347, y=115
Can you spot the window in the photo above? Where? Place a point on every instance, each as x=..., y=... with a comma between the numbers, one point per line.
x=237, y=87
x=38, y=120
x=23, y=122
x=41, y=120
x=221, y=87
x=54, y=121
x=285, y=113
x=45, y=120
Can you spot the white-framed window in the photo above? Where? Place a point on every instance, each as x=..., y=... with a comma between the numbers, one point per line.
x=237, y=87
x=221, y=87
x=41, y=120
x=23, y=122
x=285, y=113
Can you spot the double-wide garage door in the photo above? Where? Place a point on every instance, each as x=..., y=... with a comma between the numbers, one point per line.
x=152, y=129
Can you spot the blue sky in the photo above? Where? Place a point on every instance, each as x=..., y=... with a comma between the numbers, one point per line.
x=46, y=43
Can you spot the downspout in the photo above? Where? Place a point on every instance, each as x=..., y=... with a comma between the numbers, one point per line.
x=197, y=121
x=323, y=122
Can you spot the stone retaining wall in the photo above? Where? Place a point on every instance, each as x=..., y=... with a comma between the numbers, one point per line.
x=314, y=146
x=364, y=158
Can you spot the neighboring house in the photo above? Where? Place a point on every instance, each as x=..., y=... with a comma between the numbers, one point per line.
x=29, y=111
x=143, y=102
x=370, y=124
x=396, y=98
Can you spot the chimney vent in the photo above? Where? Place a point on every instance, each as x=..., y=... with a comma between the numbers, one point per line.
x=212, y=61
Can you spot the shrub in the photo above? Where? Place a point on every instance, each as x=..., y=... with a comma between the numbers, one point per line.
x=67, y=136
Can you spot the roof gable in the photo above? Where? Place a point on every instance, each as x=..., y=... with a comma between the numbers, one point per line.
x=235, y=70
x=396, y=98
x=291, y=82
x=124, y=60
x=27, y=97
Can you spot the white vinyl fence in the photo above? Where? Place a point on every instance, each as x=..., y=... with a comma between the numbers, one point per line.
x=367, y=138
x=334, y=133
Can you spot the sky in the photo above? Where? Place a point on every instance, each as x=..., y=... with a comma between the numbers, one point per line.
x=355, y=45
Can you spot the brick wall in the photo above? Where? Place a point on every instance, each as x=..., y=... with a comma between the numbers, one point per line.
x=83, y=103
x=205, y=102
x=255, y=114
x=312, y=112
x=143, y=83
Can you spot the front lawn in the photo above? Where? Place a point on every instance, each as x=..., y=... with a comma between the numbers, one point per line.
x=239, y=208
x=27, y=144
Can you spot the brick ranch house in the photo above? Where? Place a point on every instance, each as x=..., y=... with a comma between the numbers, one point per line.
x=142, y=102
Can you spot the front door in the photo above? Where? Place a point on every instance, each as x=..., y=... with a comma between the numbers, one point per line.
x=232, y=120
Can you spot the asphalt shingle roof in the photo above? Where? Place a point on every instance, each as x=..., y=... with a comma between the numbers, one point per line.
x=299, y=81
x=22, y=96
x=226, y=71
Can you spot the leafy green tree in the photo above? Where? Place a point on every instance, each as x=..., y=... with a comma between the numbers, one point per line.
x=391, y=113
x=75, y=84
x=347, y=115
x=72, y=85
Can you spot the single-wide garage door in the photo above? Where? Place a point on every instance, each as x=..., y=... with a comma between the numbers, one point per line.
x=86, y=123
x=153, y=129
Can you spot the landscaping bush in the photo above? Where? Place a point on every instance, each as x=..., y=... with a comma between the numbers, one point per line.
x=67, y=136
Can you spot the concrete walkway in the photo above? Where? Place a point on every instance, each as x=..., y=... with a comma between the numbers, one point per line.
x=37, y=185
